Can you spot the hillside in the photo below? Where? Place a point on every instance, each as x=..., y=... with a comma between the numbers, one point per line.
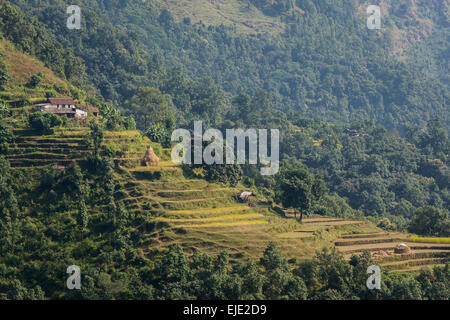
x=246, y=18
x=165, y=207
x=325, y=63
x=21, y=66
x=77, y=191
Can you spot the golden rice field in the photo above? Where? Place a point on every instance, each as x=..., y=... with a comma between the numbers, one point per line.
x=204, y=216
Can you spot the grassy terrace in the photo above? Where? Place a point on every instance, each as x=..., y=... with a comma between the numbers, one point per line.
x=200, y=215
x=246, y=19
x=64, y=146
x=381, y=245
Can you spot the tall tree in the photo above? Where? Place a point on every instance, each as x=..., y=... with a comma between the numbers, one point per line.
x=82, y=217
x=298, y=189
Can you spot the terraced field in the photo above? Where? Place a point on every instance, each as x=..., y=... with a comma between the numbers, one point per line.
x=382, y=244
x=65, y=146
x=200, y=215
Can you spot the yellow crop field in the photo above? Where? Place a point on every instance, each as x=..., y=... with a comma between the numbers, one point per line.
x=216, y=218
x=225, y=224
x=415, y=238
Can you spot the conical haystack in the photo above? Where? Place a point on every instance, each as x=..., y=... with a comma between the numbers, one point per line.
x=402, y=248
x=150, y=157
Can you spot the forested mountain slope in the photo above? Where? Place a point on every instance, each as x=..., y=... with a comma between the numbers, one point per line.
x=376, y=172
x=76, y=192
x=325, y=63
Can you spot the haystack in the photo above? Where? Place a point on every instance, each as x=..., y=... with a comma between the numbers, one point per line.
x=150, y=157
x=402, y=248
x=380, y=254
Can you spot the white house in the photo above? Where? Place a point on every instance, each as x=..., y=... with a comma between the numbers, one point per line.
x=62, y=106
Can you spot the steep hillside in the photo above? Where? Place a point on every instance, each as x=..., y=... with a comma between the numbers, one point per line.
x=192, y=212
x=325, y=63
x=21, y=66
x=78, y=191
x=164, y=205
x=203, y=216
x=20, y=92
x=245, y=17
x=416, y=28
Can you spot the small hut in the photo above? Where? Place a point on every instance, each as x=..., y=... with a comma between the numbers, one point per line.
x=243, y=197
x=402, y=248
x=150, y=157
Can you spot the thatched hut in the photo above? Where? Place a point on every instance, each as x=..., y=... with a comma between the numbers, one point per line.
x=402, y=248
x=243, y=197
x=150, y=157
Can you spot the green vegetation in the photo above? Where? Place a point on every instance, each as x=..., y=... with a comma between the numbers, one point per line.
x=122, y=45
x=43, y=122
x=4, y=75
x=431, y=222
x=75, y=191
x=299, y=189
x=415, y=238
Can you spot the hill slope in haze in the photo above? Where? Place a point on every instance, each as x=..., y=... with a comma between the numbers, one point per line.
x=325, y=63
x=75, y=192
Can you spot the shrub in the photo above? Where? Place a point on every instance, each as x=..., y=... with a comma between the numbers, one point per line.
x=4, y=75
x=110, y=151
x=386, y=224
x=6, y=137
x=430, y=221
x=129, y=123
x=43, y=122
x=158, y=133
x=35, y=80
x=4, y=110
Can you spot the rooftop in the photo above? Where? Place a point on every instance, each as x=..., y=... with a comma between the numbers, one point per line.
x=61, y=101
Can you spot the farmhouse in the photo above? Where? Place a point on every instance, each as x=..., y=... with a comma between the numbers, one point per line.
x=244, y=196
x=63, y=106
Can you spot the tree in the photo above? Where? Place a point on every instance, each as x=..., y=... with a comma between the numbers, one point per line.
x=435, y=138
x=82, y=217
x=208, y=101
x=4, y=75
x=6, y=136
x=158, y=133
x=386, y=224
x=226, y=173
x=17, y=291
x=4, y=110
x=279, y=281
x=35, y=80
x=407, y=289
x=43, y=122
x=10, y=218
x=96, y=136
x=129, y=123
x=149, y=107
x=430, y=221
x=297, y=188
x=173, y=274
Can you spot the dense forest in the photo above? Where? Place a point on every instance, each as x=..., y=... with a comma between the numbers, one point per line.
x=363, y=134
x=325, y=64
